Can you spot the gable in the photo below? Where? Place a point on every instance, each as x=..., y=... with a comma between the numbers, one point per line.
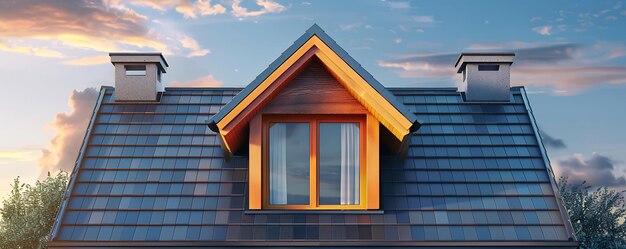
x=231, y=121
x=314, y=91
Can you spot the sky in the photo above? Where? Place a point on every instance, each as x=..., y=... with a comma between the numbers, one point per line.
x=570, y=55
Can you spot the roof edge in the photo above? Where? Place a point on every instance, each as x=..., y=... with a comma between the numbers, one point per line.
x=77, y=164
x=564, y=215
x=380, y=88
x=298, y=244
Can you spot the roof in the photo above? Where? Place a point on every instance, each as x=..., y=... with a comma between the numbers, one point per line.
x=153, y=174
x=397, y=118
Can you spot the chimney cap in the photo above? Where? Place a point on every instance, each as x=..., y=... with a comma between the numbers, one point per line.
x=498, y=57
x=138, y=57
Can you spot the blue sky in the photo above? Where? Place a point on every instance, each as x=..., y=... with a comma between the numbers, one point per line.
x=571, y=56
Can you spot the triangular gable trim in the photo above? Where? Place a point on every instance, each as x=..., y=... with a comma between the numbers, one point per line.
x=393, y=114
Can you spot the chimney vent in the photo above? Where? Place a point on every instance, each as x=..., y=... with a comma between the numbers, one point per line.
x=486, y=76
x=138, y=75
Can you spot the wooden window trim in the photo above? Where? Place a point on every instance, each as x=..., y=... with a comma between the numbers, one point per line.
x=372, y=161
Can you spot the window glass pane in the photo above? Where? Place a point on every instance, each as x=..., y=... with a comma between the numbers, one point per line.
x=339, y=162
x=289, y=154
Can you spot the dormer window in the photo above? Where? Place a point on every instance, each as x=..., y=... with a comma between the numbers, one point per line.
x=314, y=162
x=313, y=126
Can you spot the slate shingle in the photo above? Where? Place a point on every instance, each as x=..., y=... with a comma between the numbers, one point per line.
x=155, y=172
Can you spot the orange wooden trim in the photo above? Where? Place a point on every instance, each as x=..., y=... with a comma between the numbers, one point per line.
x=255, y=164
x=373, y=163
x=234, y=127
x=265, y=163
x=282, y=69
x=316, y=108
x=382, y=109
x=314, y=121
x=314, y=166
x=224, y=143
x=369, y=97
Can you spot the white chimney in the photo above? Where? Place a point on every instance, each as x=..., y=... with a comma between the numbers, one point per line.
x=486, y=76
x=138, y=75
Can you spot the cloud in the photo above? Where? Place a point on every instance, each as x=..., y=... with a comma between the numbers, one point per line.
x=204, y=81
x=101, y=26
x=192, y=45
x=42, y=52
x=349, y=27
x=63, y=148
x=552, y=142
x=419, y=30
x=399, y=5
x=194, y=9
x=19, y=155
x=88, y=61
x=567, y=68
x=547, y=53
x=597, y=170
x=161, y=5
x=426, y=65
x=424, y=19
x=569, y=80
x=543, y=30
x=200, y=7
x=10, y=157
x=267, y=6
x=185, y=7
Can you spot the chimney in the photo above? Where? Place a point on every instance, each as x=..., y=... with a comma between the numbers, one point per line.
x=138, y=75
x=486, y=76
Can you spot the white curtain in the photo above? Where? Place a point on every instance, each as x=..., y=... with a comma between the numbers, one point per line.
x=278, y=164
x=350, y=164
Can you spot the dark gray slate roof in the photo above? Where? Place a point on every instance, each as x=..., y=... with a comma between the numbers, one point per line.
x=153, y=174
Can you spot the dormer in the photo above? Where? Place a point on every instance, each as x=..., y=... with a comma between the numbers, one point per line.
x=138, y=76
x=312, y=123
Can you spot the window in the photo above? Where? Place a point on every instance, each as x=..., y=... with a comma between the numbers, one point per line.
x=135, y=70
x=488, y=67
x=314, y=162
x=289, y=163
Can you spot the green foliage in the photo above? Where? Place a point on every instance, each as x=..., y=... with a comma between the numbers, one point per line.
x=28, y=214
x=598, y=216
